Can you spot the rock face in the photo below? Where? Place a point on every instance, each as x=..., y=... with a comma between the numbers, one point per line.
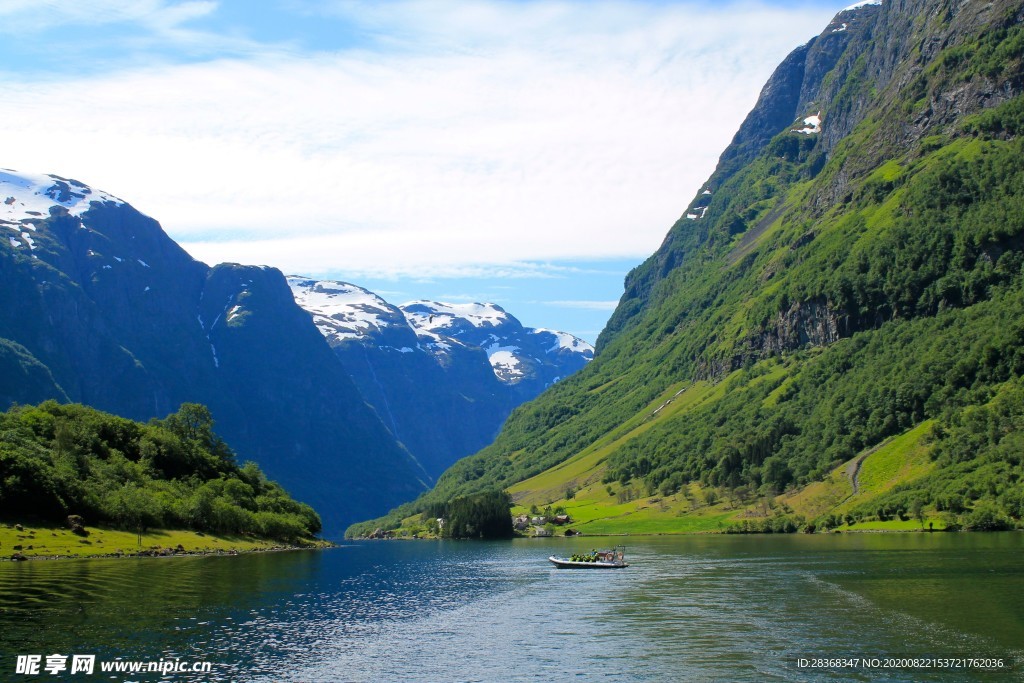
x=443, y=377
x=103, y=308
x=810, y=323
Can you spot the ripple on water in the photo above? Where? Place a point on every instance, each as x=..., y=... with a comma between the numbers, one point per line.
x=688, y=609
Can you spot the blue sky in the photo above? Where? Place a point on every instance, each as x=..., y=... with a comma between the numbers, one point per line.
x=526, y=153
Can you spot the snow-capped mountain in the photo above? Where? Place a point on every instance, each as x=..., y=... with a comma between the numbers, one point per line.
x=443, y=376
x=101, y=307
x=516, y=353
x=343, y=311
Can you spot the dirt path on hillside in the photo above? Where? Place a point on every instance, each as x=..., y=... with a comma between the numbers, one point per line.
x=853, y=470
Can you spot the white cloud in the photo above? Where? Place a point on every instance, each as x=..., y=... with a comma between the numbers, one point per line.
x=488, y=133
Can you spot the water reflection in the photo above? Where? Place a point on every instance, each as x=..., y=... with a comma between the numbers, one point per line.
x=690, y=608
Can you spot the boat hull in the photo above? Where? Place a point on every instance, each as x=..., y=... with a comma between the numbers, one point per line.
x=563, y=563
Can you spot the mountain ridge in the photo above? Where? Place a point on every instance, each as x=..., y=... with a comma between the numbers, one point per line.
x=442, y=376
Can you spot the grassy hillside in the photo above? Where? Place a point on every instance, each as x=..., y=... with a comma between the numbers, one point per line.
x=851, y=300
x=58, y=461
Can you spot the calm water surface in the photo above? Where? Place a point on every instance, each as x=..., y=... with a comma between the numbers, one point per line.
x=689, y=608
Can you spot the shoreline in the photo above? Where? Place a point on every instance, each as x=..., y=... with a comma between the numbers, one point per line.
x=160, y=554
x=840, y=532
x=24, y=541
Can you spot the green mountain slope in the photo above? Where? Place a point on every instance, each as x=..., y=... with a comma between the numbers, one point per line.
x=849, y=278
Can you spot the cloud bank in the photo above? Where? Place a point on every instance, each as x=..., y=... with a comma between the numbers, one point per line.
x=436, y=137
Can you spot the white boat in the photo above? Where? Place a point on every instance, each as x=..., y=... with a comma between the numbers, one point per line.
x=598, y=559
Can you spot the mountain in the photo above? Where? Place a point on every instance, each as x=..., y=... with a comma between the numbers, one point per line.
x=831, y=333
x=443, y=377
x=102, y=308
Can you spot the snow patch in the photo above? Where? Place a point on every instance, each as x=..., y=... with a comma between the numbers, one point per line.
x=812, y=125
x=30, y=197
x=142, y=263
x=863, y=3
x=504, y=362
x=14, y=242
x=434, y=315
x=566, y=341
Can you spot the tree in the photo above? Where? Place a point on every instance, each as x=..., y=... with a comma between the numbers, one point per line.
x=484, y=515
x=917, y=510
x=192, y=422
x=131, y=508
x=987, y=517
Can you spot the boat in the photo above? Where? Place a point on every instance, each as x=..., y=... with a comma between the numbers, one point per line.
x=597, y=559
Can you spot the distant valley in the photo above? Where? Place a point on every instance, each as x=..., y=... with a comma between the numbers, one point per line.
x=443, y=377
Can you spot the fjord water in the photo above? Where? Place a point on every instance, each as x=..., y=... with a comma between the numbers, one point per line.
x=688, y=608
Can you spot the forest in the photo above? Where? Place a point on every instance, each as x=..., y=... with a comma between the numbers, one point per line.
x=58, y=460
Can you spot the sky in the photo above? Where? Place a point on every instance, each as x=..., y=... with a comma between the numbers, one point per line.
x=528, y=153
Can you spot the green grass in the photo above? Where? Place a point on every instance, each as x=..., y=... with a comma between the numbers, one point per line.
x=901, y=459
x=594, y=511
x=48, y=540
x=820, y=497
x=647, y=522
x=889, y=171
x=586, y=467
x=938, y=524
x=772, y=399
x=648, y=515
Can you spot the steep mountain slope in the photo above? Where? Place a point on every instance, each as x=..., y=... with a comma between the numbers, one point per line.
x=443, y=377
x=851, y=273
x=102, y=308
